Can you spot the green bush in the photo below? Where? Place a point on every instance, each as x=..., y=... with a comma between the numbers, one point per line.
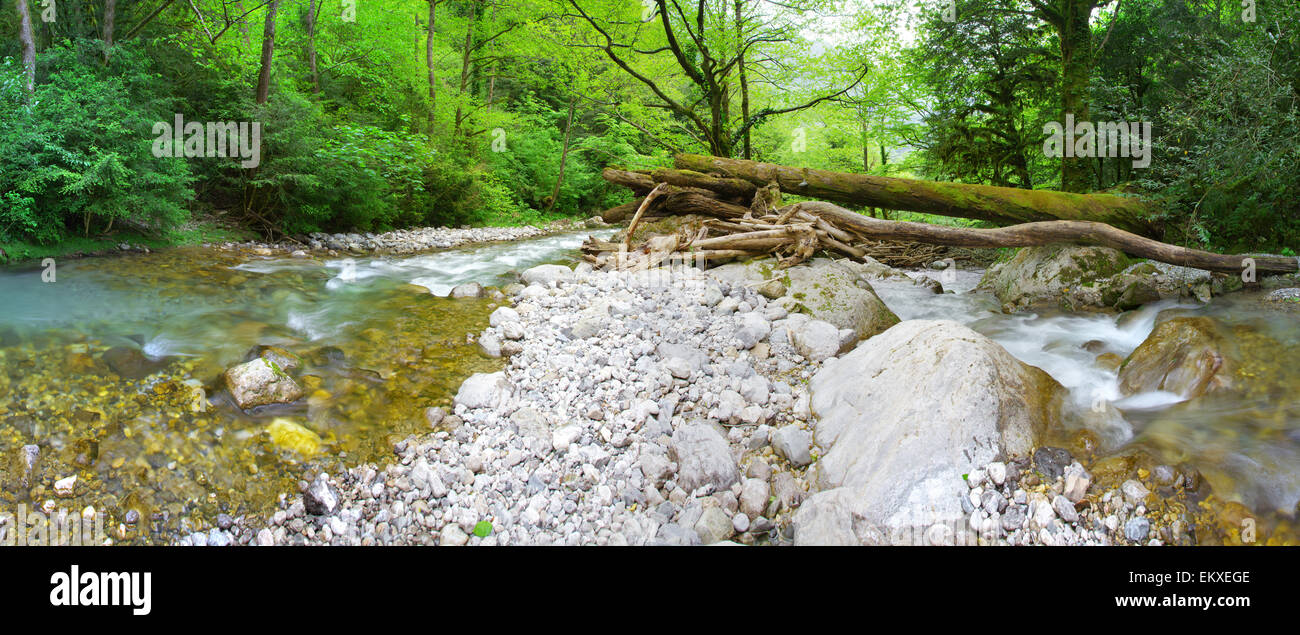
x=1230, y=148
x=80, y=157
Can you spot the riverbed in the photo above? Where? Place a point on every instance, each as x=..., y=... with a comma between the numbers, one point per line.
x=1247, y=443
x=114, y=370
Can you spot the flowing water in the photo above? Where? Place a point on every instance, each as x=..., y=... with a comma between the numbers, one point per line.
x=115, y=369
x=1245, y=442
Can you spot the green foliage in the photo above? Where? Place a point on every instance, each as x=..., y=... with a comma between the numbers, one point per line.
x=80, y=156
x=1227, y=167
x=990, y=78
x=532, y=150
x=365, y=143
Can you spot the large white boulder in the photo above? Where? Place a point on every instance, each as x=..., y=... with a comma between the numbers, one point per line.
x=483, y=390
x=548, y=275
x=834, y=291
x=902, y=417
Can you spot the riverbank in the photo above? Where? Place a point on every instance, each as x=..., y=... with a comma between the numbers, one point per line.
x=649, y=408
x=403, y=241
x=198, y=232
x=211, y=233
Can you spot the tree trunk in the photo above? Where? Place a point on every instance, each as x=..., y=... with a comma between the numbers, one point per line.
x=744, y=80
x=1076, y=67
x=866, y=145
x=470, y=21
x=29, y=49
x=311, y=47
x=1002, y=205
x=268, y=52
x=429, y=62
x=492, y=78
x=564, y=155
x=243, y=23
x=1042, y=233
x=642, y=181
x=801, y=229
x=110, y=13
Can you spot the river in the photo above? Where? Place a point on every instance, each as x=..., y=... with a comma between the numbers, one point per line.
x=1245, y=442
x=115, y=370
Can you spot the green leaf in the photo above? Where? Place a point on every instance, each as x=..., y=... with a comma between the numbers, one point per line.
x=483, y=529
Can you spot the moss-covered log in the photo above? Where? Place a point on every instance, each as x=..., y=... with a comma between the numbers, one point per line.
x=1001, y=205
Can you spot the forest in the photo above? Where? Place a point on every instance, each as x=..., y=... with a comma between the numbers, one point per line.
x=370, y=115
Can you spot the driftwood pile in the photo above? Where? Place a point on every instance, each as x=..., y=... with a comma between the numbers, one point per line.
x=733, y=219
x=741, y=215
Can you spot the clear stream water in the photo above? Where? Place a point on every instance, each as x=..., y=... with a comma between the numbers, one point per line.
x=115, y=371
x=1246, y=443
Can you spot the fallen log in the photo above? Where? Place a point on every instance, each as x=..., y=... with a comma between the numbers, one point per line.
x=619, y=213
x=756, y=226
x=735, y=189
x=642, y=181
x=1001, y=205
x=1043, y=233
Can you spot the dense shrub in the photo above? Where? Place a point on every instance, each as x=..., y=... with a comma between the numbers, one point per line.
x=79, y=156
x=1231, y=145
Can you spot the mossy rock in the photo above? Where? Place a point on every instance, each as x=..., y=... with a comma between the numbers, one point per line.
x=1072, y=276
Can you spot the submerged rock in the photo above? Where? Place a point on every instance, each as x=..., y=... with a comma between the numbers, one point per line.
x=261, y=382
x=21, y=469
x=1184, y=356
x=1289, y=294
x=131, y=363
x=287, y=361
x=467, y=290
x=903, y=417
x=289, y=435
